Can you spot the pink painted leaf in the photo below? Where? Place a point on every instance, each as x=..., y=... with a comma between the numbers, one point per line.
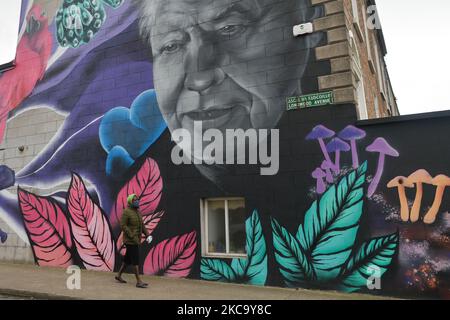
x=48, y=229
x=90, y=227
x=172, y=257
x=150, y=222
x=147, y=184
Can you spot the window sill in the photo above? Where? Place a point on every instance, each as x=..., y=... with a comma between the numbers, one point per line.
x=372, y=66
x=224, y=256
x=358, y=31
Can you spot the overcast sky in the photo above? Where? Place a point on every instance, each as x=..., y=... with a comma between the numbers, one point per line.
x=417, y=39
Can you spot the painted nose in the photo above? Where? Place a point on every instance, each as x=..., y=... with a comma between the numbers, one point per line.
x=202, y=68
x=201, y=81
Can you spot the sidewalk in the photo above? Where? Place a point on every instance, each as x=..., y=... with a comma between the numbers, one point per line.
x=50, y=283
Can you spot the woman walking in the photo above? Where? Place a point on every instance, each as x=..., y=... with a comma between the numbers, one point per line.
x=132, y=227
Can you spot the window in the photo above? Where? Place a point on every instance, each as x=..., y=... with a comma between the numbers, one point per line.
x=9, y=32
x=376, y=107
x=356, y=23
x=379, y=69
x=357, y=72
x=369, y=49
x=223, y=227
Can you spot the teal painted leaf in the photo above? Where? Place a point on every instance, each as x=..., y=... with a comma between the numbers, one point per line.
x=372, y=259
x=328, y=233
x=113, y=3
x=216, y=270
x=253, y=269
x=292, y=261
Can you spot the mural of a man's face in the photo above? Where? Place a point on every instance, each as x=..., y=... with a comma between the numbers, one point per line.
x=229, y=64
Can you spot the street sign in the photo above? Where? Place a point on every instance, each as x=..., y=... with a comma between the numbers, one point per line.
x=310, y=100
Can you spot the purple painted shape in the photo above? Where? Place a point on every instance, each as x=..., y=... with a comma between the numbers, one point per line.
x=381, y=146
x=7, y=177
x=337, y=145
x=3, y=236
x=327, y=167
x=351, y=134
x=319, y=174
x=89, y=57
x=320, y=133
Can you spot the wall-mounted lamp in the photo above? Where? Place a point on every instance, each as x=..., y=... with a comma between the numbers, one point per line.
x=302, y=29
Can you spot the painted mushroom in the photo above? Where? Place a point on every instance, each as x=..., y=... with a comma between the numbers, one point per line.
x=327, y=167
x=337, y=145
x=319, y=174
x=441, y=182
x=418, y=178
x=351, y=134
x=320, y=133
x=382, y=147
x=401, y=183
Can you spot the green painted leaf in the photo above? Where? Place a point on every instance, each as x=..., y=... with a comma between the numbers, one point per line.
x=216, y=270
x=292, y=261
x=253, y=269
x=328, y=233
x=113, y=3
x=372, y=259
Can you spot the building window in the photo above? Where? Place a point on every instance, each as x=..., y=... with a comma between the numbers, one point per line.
x=223, y=231
x=369, y=49
x=376, y=107
x=356, y=23
x=379, y=70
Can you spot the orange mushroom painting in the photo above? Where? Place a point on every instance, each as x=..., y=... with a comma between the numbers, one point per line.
x=418, y=179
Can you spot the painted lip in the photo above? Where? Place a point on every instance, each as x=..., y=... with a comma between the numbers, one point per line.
x=215, y=116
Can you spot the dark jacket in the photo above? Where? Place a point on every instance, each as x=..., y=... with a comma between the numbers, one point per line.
x=132, y=226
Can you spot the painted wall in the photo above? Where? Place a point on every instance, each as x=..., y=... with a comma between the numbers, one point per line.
x=327, y=219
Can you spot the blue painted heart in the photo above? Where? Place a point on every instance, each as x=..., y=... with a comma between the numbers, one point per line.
x=125, y=134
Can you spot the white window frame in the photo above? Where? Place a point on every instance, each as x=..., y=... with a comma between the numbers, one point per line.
x=204, y=228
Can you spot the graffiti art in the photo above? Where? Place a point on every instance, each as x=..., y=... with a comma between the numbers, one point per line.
x=125, y=76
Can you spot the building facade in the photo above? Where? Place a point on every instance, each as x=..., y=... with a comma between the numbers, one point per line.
x=247, y=146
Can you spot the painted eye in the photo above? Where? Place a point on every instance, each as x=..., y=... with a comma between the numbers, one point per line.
x=171, y=48
x=232, y=30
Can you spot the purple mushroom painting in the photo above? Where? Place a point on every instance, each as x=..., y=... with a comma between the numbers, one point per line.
x=336, y=146
x=320, y=133
x=327, y=167
x=381, y=146
x=319, y=174
x=351, y=134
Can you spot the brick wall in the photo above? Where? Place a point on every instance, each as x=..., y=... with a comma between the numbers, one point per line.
x=31, y=130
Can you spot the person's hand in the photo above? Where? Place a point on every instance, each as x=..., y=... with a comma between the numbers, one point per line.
x=149, y=239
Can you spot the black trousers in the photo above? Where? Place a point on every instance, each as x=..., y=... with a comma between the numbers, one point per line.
x=132, y=255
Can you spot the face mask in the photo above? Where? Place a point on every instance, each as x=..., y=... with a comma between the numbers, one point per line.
x=135, y=204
